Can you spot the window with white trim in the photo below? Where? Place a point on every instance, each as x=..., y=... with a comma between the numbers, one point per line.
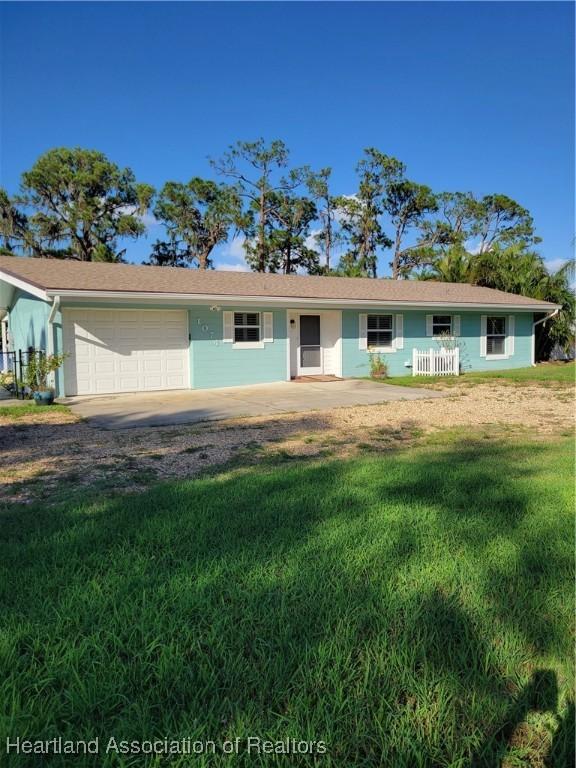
x=379, y=331
x=246, y=327
x=441, y=325
x=495, y=336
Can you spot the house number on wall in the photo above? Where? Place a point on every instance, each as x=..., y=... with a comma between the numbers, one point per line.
x=206, y=329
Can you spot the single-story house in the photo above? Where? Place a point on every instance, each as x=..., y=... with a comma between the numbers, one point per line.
x=132, y=328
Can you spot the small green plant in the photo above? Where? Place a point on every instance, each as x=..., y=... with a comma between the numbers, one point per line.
x=446, y=341
x=39, y=369
x=378, y=367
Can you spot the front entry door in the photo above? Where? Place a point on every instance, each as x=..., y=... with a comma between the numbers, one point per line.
x=310, y=349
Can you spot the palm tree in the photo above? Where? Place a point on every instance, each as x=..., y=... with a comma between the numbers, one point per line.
x=452, y=266
x=515, y=269
x=518, y=270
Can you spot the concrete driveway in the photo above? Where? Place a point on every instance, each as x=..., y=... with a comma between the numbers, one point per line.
x=152, y=409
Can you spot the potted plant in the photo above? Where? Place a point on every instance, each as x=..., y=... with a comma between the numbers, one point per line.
x=378, y=367
x=39, y=368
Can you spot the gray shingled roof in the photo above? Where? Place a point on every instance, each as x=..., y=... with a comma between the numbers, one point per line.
x=54, y=275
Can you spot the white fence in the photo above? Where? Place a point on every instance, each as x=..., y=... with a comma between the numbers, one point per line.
x=436, y=362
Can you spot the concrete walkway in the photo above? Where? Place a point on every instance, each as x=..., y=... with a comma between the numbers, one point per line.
x=151, y=409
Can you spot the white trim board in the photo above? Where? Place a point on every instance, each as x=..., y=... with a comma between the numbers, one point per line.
x=189, y=299
x=293, y=341
x=24, y=285
x=291, y=301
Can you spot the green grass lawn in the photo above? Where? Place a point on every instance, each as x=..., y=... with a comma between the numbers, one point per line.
x=410, y=608
x=548, y=372
x=18, y=409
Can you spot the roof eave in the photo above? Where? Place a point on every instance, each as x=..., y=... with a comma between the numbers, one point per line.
x=24, y=285
x=289, y=301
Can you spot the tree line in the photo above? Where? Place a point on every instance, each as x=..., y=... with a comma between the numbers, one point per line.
x=75, y=203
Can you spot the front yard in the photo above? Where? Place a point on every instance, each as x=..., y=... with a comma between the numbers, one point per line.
x=47, y=453
x=395, y=581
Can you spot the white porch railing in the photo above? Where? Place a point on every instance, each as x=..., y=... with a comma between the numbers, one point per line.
x=436, y=362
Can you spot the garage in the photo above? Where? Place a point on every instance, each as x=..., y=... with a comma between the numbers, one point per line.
x=125, y=350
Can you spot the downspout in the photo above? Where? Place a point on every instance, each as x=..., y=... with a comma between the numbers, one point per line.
x=50, y=345
x=4, y=329
x=537, y=322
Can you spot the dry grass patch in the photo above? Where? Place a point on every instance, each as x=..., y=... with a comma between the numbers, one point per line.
x=45, y=451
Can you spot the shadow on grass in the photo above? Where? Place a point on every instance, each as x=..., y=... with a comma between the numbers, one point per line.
x=540, y=694
x=562, y=752
x=388, y=605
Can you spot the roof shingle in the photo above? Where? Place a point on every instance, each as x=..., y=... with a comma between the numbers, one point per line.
x=55, y=275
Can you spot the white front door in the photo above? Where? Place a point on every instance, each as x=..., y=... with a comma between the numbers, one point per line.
x=310, y=347
x=125, y=350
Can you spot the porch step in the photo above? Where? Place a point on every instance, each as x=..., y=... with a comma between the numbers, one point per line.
x=316, y=378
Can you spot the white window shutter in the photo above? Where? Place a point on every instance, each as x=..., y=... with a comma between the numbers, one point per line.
x=429, y=325
x=510, y=336
x=456, y=328
x=268, y=326
x=228, y=323
x=483, y=335
x=399, y=335
x=362, y=331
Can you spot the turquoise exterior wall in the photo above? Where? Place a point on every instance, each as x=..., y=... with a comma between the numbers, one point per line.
x=355, y=361
x=28, y=322
x=214, y=363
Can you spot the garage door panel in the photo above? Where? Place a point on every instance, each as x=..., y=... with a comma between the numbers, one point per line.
x=99, y=350
x=128, y=365
x=104, y=367
x=152, y=366
x=153, y=382
x=125, y=350
x=176, y=382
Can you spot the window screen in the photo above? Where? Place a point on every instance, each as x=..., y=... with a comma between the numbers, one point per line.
x=441, y=325
x=246, y=326
x=379, y=331
x=496, y=336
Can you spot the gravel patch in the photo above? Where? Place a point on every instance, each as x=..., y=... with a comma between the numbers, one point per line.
x=49, y=453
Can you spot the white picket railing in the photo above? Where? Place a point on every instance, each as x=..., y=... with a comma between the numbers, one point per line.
x=436, y=362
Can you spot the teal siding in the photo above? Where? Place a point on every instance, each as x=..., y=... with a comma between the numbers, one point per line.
x=214, y=363
x=28, y=322
x=355, y=361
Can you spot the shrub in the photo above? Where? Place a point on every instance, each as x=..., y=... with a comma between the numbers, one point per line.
x=39, y=368
x=378, y=367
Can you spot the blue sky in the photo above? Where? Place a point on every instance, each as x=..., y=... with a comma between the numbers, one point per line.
x=471, y=96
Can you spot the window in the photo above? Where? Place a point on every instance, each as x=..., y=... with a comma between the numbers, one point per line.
x=441, y=325
x=379, y=331
x=246, y=327
x=495, y=335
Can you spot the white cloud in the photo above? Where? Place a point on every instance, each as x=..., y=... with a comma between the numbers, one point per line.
x=230, y=256
x=473, y=247
x=148, y=218
x=233, y=267
x=233, y=249
x=554, y=264
x=311, y=241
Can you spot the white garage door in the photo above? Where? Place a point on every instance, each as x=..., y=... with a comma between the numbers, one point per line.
x=125, y=350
